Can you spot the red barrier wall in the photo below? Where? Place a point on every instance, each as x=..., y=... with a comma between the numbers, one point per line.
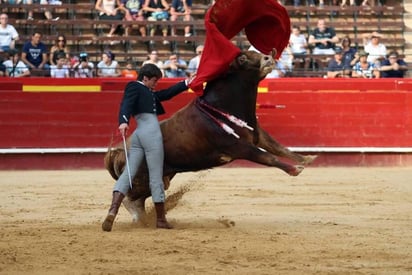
x=307, y=112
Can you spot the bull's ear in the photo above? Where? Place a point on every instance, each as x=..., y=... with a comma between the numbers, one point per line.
x=242, y=59
x=273, y=53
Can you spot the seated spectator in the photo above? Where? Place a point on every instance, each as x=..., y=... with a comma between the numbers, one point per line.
x=129, y=71
x=323, y=39
x=337, y=67
x=344, y=3
x=348, y=52
x=83, y=68
x=34, y=55
x=108, y=67
x=47, y=13
x=110, y=10
x=58, y=48
x=13, y=2
x=393, y=66
x=278, y=70
x=297, y=3
x=8, y=34
x=375, y=49
x=134, y=13
x=61, y=69
x=175, y=67
x=181, y=9
x=299, y=48
x=286, y=58
x=2, y=67
x=157, y=10
x=363, y=68
x=366, y=3
x=14, y=67
x=195, y=61
x=154, y=59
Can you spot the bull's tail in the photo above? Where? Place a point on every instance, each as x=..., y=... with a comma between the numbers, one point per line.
x=114, y=160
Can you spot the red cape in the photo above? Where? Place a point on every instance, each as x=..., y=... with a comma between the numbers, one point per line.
x=265, y=22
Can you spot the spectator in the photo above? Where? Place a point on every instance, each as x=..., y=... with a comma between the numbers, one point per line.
x=129, y=71
x=298, y=45
x=83, y=68
x=108, y=67
x=134, y=13
x=372, y=45
x=297, y=3
x=157, y=10
x=34, y=55
x=393, y=66
x=61, y=69
x=195, y=61
x=337, y=66
x=58, y=48
x=278, y=70
x=110, y=10
x=323, y=39
x=181, y=9
x=344, y=3
x=348, y=52
x=175, y=67
x=8, y=34
x=2, y=67
x=14, y=67
x=47, y=13
x=13, y=2
x=366, y=2
x=286, y=58
x=363, y=68
x=154, y=59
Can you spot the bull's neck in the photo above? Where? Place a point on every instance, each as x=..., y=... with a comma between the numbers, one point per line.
x=234, y=95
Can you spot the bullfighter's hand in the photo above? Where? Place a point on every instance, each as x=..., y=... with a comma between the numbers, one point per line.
x=190, y=79
x=123, y=129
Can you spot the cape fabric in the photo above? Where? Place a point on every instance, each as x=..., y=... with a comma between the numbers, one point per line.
x=266, y=24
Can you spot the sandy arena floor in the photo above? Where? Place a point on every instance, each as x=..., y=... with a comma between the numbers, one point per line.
x=227, y=221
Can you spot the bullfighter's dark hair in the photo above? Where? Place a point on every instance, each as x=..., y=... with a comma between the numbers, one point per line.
x=149, y=70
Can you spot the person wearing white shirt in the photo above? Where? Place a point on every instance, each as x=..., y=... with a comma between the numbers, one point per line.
x=375, y=49
x=195, y=61
x=154, y=59
x=108, y=67
x=8, y=34
x=61, y=69
x=14, y=66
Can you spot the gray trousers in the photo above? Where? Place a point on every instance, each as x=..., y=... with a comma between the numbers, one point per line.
x=146, y=142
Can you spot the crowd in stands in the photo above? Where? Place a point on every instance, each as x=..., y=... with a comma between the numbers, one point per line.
x=322, y=49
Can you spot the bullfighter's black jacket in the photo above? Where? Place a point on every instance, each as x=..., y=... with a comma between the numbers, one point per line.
x=138, y=98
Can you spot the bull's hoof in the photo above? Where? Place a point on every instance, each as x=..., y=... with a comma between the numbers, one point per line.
x=108, y=223
x=163, y=224
x=297, y=170
x=308, y=159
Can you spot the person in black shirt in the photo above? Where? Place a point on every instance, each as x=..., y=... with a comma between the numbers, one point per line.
x=393, y=66
x=141, y=102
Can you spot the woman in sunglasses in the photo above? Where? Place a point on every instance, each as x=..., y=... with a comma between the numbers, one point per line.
x=58, y=48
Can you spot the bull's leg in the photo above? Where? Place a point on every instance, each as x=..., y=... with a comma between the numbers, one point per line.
x=136, y=208
x=255, y=154
x=269, y=144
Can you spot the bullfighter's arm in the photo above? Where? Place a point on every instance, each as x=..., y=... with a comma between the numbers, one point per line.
x=172, y=91
x=129, y=98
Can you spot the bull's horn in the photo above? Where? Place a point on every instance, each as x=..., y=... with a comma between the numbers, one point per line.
x=273, y=53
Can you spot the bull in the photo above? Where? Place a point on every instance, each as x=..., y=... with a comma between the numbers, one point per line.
x=214, y=129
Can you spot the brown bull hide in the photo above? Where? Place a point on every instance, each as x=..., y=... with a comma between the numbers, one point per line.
x=194, y=140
